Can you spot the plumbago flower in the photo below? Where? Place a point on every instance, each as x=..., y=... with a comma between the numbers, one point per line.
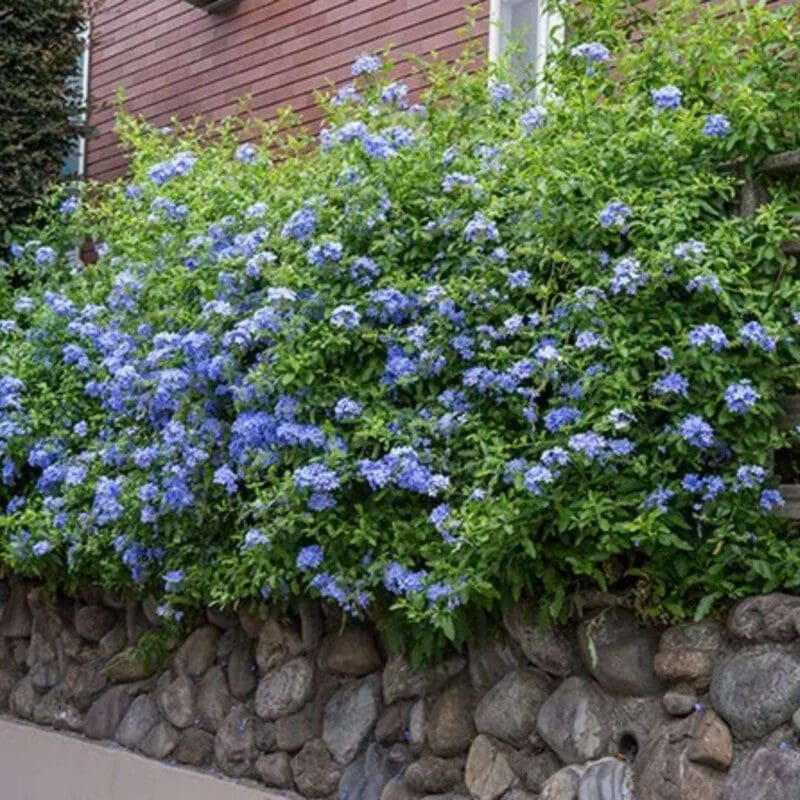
x=437, y=358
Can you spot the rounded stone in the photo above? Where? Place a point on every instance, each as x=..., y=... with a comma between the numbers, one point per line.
x=771, y=773
x=619, y=653
x=350, y=715
x=314, y=771
x=545, y=647
x=177, y=700
x=285, y=690
x=351, y=652
x=488, y=774
x=138, y=721
x=93, y=622
x=198, y=652
x=509, y=709
x=275, y=770
x=213, y=700
x=450, y=726
x=195, y=747
x=757, y=690
x=434, y=775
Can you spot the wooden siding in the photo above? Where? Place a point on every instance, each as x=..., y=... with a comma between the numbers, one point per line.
x=175, y=60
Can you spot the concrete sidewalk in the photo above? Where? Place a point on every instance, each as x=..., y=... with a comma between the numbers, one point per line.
x=38, y=764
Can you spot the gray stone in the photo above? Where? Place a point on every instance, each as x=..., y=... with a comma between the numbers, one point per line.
x=757, y=690
x=351, y=652
x=450, y=726
x=771, y=773
x=266, y=735
x=160, y=741
x=251, y=623
x=224, y=618
x=607, y=779
x=398, y=789
x=278, y=642
x=198, y=652
x=83, y=683
x=42, y=661
x=177, y=701
x=541, y=767
x=366, y=778
x=431, y=774
x=138, y=721
x=687, y=654
x=213, y=700
x=545, y=647
x=417, y=725
x=195, y=747
x=113, y=642
x=73, y=647
x=508, y=711
x=242, y=671
x=564, y=784
x=492, y=655
x=796, y=722
x=518, y=794
x=106, y=713
x=234, y=744
x=392, y=725
x=401, y=681
x=275, y=770
x=8, y=680
x=128, y=666
x=53, y=709
x=488, y=774
x=574, y=721
x=312, y=627
x=93, y=622
x=229, y=641
x=22, y=699
x=684, y=758
x=16, y=618
x=350, y=715
x=285, y=690
x=292, y=732
x=619, y=653
x=679, y=704
x=314, y=771
x=766, y=618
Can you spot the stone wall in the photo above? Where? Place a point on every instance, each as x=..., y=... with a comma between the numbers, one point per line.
x=605, y=710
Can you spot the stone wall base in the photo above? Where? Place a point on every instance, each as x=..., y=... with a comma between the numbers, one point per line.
x=602, y=710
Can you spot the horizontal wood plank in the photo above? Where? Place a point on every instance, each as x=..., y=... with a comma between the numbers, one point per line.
x=791, y=494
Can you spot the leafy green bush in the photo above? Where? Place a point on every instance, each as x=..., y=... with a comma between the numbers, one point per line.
x=40, y=102
x=449, y=354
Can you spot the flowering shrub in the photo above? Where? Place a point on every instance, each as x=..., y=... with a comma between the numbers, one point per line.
x=447, y=354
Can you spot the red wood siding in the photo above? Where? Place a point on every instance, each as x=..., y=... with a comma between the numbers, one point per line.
x=175, y=60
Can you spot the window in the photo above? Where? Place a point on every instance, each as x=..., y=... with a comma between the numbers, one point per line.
x=524, y=20
x=75, y=163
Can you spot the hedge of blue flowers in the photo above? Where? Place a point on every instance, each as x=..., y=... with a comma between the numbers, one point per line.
x=492, y=342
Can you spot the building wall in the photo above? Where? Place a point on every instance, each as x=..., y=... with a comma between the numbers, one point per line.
x=176, y=60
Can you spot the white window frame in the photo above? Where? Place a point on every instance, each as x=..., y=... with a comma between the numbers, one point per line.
x=78, y=152
x=548, y=30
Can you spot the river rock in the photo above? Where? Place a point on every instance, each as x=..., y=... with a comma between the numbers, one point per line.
x=234, y=744
x=213, y=700
x=771, y=773
x=138, y=721
x=450, y=724
x=292, y=732
x=757, y=690
x=242, y=671
x=606, y=779
x=432, y=774
x=545, y=647
x=177, y=700
x=278, y=642
x=314, y=771
x=401, y=681
x=368, y=775
x=619, y=653
x=160, y=741
x=275, y=770
x=285, y=690
x=488, y=774
x=198, y=652
x=574, y=721
x=194, y=747
x=492, y=655
x=508, y=711
x=687, y=654
x=350, y=715
x=351, y=652
x=106, y=713
x=766, y=618
x=16, y=619
x=94, y=622
x=685, y=759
